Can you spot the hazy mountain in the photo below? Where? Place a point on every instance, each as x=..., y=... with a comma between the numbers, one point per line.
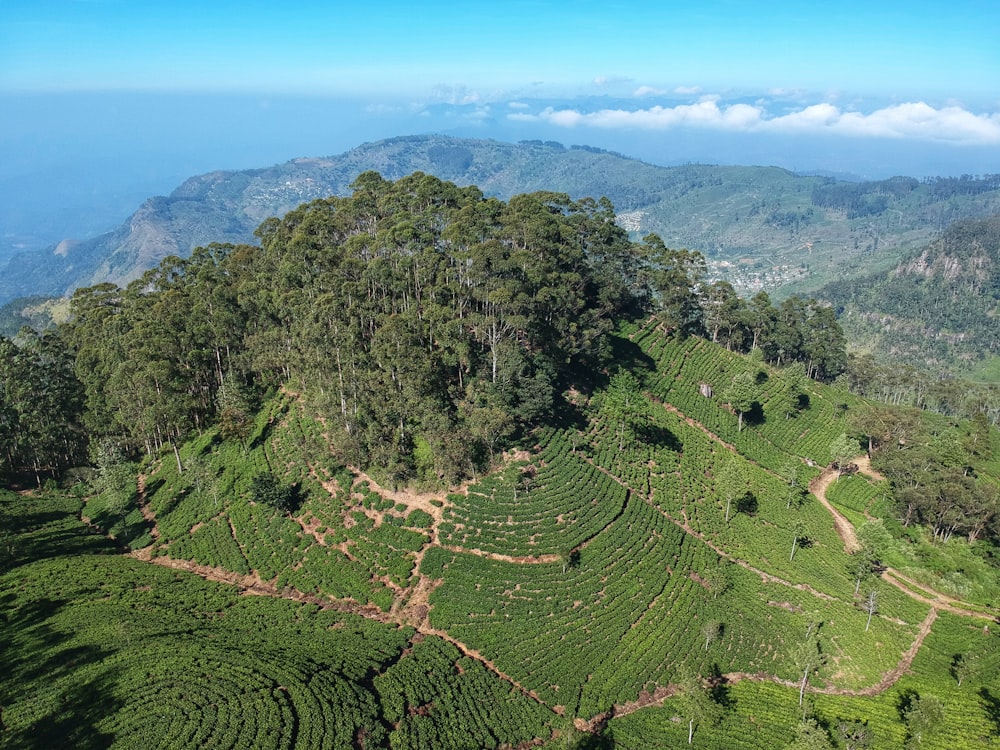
x=937, y=309
x=762, y=227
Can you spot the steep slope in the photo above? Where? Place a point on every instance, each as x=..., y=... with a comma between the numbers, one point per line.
x=760, y=226
x=939, y=308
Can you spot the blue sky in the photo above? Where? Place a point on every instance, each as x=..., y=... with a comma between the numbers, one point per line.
x=135, y=95
x=894, y=50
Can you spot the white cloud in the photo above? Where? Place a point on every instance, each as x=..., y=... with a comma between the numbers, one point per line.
x=687, y=90
x=517, y=105
x=913, y=120
x=648, y=91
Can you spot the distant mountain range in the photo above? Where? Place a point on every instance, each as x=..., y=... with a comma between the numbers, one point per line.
x=761, y=227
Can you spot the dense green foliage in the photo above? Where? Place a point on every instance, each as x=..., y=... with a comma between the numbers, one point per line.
x=426, y=323
x=41, y=406
x=936, y=310
x=632, y=527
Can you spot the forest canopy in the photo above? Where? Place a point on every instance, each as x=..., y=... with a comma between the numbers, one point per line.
x=425, y=323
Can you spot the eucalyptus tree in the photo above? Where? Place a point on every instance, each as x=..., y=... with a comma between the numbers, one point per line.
x=741, y=395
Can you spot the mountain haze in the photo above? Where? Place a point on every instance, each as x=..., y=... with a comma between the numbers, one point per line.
x=762, y=227
x=937, y=309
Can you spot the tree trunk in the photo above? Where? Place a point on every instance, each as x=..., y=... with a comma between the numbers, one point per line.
x=690, y=730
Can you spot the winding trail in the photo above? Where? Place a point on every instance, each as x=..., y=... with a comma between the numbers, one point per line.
x=411, y=606
x=843, y=527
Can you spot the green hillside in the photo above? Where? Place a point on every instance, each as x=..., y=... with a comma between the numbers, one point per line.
x=579, y=581
x=937, y=309
x=432, y=470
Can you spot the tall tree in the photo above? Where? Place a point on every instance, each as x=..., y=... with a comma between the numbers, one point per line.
x=624, y=404
x=732, y=482
x=741, y=395
x=807, y=658
x=842, y=450
x=923, y=718
x=698, y=705
x=675, y=276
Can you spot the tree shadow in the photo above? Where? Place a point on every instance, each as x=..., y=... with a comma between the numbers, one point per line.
x=657, y=435
x=747, y=504
x=258, y=440
x=47, y=535
x=905, y=701
x=719, y=685
x=991, y=705
x=40, y=657
x=755, y=416
x=602, y=740
x=567, y=416
x=153, y=485
x=624, y=354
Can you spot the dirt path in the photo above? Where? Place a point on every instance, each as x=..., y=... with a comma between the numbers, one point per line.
x=864, y=464
x=252, y=585
x=662, y=693
x=934, y=599
x=844, y=528
x=411, y=606
x=432, y=503
x=908, y=586
x=143, y=502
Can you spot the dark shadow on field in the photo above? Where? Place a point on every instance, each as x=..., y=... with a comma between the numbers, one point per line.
x=652, y=434
x=719, y=685
x=153, y=485
x=905, y=701
x=627, y=355
x=747, y=504
x=755, y=416
x=41, y=666
x=258, y=440
x=45, y=535
x=991, y=705
x=603, y=740
x=618, y=354
x=568, y=416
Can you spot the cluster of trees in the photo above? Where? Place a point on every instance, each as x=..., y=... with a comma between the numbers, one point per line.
x=860, y=199
x=797, y=330
x=427, y=324
x=420, y=318
x=934, y=482
x=906, y=385
x=41, y=406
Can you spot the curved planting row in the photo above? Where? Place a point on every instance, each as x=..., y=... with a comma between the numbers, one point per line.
x=683, y=366
x=549, y=507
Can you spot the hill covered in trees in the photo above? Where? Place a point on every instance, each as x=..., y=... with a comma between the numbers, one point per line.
x=937, y=310
x=468, y=453
x=760, y=227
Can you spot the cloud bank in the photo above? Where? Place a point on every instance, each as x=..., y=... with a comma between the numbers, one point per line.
x=912, y=120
